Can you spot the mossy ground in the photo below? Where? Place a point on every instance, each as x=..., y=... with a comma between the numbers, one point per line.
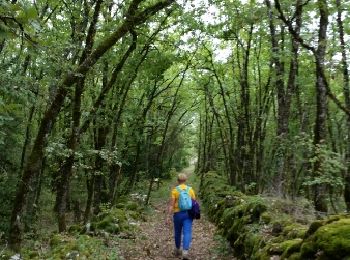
x=96, y=240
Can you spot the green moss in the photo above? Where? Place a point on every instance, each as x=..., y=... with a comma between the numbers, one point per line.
x=295, y=256
x=285, y=248
x=314, y=226
x=135, y=215
x=307, y=250
x=112, y=228
x=75, y=229
x=294, y=230
x=329, y=241
x=253, y=242
x=261, y=254
x=55, y=240
x=334, y=239
x=105, y=222
x=290, y=247
x=265, y=217
x=256, y=206
x=131, y=205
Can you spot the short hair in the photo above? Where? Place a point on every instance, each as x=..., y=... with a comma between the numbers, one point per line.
x=181, y=177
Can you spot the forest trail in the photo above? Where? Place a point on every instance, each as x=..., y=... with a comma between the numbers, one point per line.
x=154, y=239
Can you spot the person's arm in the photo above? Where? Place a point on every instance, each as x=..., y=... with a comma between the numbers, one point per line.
x=171, y=206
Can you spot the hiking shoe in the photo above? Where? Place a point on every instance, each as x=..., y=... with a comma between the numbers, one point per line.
x=177, y=252
x=185, y=255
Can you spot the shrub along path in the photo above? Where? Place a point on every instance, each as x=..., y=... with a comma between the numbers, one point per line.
x=154, y=239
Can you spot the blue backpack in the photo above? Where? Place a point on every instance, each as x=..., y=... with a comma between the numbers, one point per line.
x=185, y=200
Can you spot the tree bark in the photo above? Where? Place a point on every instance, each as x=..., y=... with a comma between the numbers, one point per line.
x=346, y=91
x=320, y=130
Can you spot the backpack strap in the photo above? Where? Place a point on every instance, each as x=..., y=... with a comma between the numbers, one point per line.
x=187, y=189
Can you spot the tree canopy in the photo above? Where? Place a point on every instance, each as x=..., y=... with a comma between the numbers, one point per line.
x=98, y=97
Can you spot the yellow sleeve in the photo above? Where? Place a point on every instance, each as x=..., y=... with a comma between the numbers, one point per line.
x=173, y=193
x=192, y=194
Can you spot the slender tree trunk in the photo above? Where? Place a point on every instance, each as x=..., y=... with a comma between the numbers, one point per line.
x=346, y=91
x=100, y=180
x=2, y=45
x=26, y=139
x=284, y=95
x=244, y=134
x=33, y=199
x=320, y=130
x=65, y=170
x=199, y=145
x=90, y=191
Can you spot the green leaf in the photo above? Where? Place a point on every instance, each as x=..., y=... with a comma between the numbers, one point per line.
x=31, y=13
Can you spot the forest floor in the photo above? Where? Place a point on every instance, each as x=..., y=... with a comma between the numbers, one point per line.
x=154, y=239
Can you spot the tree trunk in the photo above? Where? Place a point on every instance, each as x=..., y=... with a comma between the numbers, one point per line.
x=320, y=130
x=26, y=139
x=90, y=190
x=346, y=91
x=284, y=95
x=100, y=193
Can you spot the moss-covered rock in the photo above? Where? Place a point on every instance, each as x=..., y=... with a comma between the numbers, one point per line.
x=290, y=247
x=294, y=230
x=330, y=241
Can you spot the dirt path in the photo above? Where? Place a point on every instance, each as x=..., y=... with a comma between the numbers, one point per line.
x=154, y=240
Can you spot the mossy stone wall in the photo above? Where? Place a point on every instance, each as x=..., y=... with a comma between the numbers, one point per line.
x=261, y=228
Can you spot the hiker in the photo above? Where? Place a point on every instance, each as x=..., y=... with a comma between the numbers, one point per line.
x=178, y=208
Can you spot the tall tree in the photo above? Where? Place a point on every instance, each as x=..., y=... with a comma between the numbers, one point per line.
x=346, y=91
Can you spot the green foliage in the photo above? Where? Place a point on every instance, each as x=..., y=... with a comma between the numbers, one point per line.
x=192, y=78
x=330, y=172
x=17, y=18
